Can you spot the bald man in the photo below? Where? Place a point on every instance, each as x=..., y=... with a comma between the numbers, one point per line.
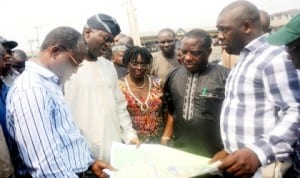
x=127, y=41
x=259, y=113
x=229, y=60
x=165, y=59
x=118, y=37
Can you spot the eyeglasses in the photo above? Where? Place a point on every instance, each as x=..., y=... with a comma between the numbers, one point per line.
x=107, y=38
x=136, y=65
x=166, y=41
x=73, y=59
x=70, y=55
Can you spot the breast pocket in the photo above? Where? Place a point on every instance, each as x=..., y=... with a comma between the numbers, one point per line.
x=208, y=106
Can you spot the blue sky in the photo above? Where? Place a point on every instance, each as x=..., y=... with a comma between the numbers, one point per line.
x=26, y=20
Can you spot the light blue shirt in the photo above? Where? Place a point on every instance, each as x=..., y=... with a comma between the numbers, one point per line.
x=38, y=119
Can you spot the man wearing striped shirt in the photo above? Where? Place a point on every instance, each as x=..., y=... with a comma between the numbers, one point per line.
x=259, y=113
x=38, y=119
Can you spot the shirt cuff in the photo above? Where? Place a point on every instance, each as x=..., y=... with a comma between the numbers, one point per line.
x=129, y=137
x=263, y=151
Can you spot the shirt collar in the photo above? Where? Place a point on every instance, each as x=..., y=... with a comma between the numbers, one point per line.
x=256, y=43
x=43, y=71
x=198, y=72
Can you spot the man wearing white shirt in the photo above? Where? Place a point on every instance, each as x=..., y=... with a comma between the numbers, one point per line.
x=97, y=104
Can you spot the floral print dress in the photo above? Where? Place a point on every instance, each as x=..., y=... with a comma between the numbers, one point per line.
x=148, y=123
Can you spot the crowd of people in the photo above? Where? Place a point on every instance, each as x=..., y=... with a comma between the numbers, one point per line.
x=62, y=110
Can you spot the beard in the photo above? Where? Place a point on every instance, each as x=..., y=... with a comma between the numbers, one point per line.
x=232, y=51
x=169, y=54
x=91, y=56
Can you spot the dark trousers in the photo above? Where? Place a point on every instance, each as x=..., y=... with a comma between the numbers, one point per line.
x=87, y=174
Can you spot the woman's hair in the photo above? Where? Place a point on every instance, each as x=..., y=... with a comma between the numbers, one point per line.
x=131, y=55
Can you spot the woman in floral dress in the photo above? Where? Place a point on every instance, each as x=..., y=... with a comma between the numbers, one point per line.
x=144, y=96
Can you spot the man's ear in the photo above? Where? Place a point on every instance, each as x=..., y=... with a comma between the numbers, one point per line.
x=247, y=26
x=54, y=51
x=86, y=33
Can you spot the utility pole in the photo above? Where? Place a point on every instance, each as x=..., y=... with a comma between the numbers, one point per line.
x=134, y=32
x=37, y=37
x=30, y=43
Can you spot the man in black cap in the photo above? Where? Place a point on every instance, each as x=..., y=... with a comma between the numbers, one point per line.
x=96, y=102
x=8, y=46
x=6, y=61
x=5, y=84
x=6, y=167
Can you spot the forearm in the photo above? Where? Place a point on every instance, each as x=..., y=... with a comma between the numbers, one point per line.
x=168, y=131
x=123, y=117
x=277, y=144
x=281, y=89
x=126, y=124
x=30, y=127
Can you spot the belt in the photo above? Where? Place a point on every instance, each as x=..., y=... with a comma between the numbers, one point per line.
x=86, y=174
x=81, y=174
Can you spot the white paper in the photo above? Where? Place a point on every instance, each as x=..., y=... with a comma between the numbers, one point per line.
x=157, y=161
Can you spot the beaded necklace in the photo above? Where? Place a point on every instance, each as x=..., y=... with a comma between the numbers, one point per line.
x=141, y=87
x=143, y=106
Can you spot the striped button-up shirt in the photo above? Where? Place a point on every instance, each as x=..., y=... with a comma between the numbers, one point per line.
x=261, y=105
x=49, y=143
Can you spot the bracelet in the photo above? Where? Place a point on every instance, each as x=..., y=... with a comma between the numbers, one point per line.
x=165, y=138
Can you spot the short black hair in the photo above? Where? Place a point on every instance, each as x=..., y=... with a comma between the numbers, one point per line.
x=131, y=55
x=201, y=35
x=168, y=30
x=20, y=54
x=66, y=37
